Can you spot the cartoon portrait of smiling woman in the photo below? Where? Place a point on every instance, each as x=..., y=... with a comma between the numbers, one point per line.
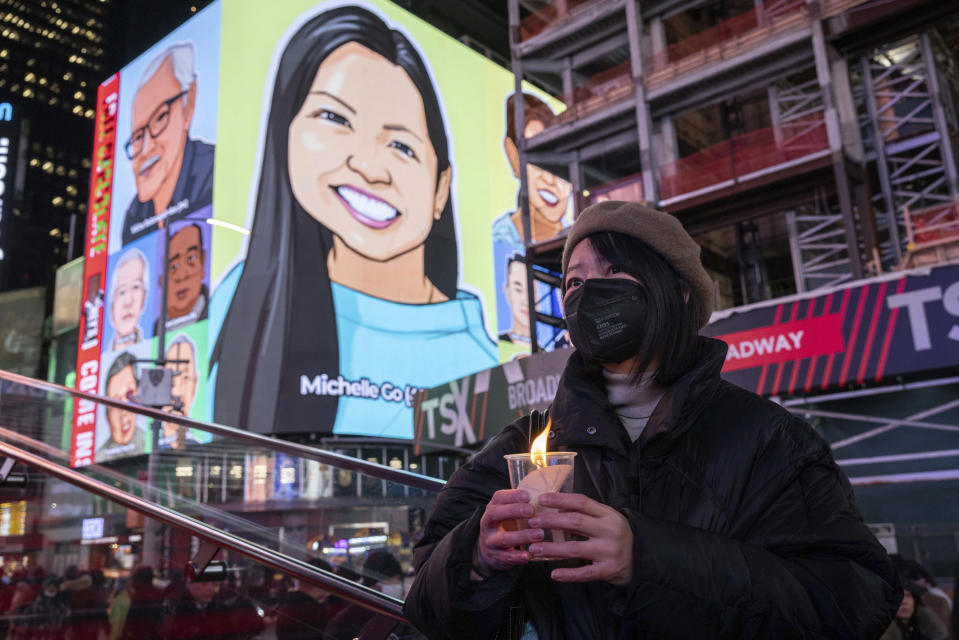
x=348, y=299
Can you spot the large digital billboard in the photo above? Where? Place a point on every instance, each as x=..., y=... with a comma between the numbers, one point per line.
x=337, y=187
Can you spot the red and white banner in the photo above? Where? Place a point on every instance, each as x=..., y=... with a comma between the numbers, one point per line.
x=95, y=272
x=780, y=343
x=892, y=327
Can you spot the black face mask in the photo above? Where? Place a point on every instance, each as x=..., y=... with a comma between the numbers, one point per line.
x=605, y=317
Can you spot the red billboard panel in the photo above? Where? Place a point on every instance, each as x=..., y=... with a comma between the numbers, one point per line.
x=95, y=272
x=904, y=324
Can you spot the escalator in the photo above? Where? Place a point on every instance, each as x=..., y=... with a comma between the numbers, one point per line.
x=258, y=537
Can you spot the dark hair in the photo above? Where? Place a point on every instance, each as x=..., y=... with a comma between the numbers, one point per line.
x=97, y=577
x=124, y=360
x=281, y=322
x=533, y=107
x=910, y=569
x=381, y=565
x=673, y=311
x=141, y=576
x=199, y=233
x=320, y=563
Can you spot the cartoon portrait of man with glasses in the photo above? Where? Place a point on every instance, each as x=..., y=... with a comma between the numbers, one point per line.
x=172, y=171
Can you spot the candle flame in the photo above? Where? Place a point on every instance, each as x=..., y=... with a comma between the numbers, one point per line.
x=537, y=452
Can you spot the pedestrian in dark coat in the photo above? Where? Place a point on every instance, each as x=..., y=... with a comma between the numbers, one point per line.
x=702, y=510
x=145, y=612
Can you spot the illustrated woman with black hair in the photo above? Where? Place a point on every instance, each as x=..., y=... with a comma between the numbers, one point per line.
x=351, y=270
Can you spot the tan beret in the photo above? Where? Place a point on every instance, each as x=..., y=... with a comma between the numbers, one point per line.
x=661, y=231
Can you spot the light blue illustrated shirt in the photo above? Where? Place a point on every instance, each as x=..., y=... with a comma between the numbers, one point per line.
x=409, y=346
x=505, y=232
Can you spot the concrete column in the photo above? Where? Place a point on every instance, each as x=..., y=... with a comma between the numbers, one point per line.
x=643, y=121
x=846, y=110
x=568, y=85
x=843, y=190
x=669, y=143
x=576, y=180
x=772, y=95
x=657, y=35
x=760, y=12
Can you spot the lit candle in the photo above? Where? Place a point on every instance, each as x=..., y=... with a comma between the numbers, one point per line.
x=545, y=477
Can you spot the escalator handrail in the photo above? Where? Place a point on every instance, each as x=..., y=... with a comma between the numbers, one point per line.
x=349, y=463
x=353, y=591
x=205, y=510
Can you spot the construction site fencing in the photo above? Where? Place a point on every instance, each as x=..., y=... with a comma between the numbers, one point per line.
x=743, y=155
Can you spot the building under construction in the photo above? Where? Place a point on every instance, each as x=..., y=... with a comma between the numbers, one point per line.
x=810, y=148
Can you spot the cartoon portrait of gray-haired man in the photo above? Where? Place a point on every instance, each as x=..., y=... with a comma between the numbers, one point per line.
x=129, y=289
x=173, y=172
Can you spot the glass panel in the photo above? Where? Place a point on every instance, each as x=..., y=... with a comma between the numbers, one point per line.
x=285, y=501
x=82, y=583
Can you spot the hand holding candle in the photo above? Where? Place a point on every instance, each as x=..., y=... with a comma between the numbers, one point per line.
x=539, y=472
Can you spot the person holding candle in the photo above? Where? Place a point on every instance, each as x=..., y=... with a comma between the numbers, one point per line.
x=699, y=510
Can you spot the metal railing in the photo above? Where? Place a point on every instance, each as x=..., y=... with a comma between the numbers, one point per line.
x=360, y=594
x=345, y=462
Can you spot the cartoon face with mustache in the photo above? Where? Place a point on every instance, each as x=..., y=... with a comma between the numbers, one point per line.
x=162, y=112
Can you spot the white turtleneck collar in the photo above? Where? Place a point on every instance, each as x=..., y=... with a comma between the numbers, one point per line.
x=633, y=403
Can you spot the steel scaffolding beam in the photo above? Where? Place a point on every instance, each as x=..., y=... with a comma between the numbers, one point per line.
x=916, y=169
x=817, y=241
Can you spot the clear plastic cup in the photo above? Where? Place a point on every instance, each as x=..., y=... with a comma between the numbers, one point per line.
x=556, y=475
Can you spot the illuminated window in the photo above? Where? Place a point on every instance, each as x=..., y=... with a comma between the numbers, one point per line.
x=72, y=173
x=77, y=109
x=48, y=167
x=57, y=201
x=30, y=77
x=89, y=113
x=34, y=162
x=68, y=76
x=42, y=82
x=71, y=188
x=61, y=170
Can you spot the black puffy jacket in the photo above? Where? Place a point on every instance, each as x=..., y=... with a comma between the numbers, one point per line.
x=743, y=526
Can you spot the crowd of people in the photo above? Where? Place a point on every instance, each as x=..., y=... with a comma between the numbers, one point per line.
x=927, y=612
x=86, y=605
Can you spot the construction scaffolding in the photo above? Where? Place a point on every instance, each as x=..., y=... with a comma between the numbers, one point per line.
x=808, y=128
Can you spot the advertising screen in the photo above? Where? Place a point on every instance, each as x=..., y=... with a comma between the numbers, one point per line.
x=21, y=330
x=151, y=186
x=349, y=246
